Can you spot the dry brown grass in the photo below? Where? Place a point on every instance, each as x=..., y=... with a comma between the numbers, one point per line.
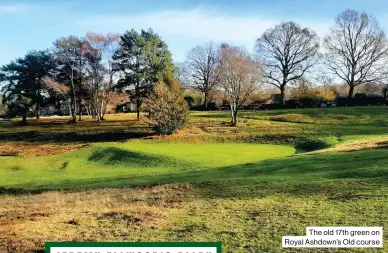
x=356, y=145
x=37, y=149
x=27, y=221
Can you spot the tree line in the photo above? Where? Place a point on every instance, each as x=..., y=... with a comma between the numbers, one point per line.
x=83, y=72
x=354, y=52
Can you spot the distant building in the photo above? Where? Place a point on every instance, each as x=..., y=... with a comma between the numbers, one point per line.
x=275, y=99
x=127, y=106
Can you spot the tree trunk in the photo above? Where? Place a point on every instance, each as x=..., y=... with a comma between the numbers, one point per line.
x=37, y=109
x=351, y=90
x=72, y=106
x=138, y=108
x=37, y=112
x=72, y=111
x=205, y=100
x=79, y=111
x=73, y=99
x=103, y=110
x=234, y=118
x=88, y=110
x=282, y=96
x=233, y=111
x=24, y=119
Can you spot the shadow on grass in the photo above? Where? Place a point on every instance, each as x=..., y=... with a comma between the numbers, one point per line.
x=81, y=136
x=314, y=112
x=18, y=191
x=116, y=156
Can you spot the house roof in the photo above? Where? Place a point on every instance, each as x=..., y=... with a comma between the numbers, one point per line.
x=274, y=99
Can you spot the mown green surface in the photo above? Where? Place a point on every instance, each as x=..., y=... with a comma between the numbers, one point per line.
x=107, y=166
x=125, y=164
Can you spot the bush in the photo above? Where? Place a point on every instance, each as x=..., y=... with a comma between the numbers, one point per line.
x=193, y=98
x=360, y=96
x=3, y=107
x=311, y=144
x=190, y=101
x=304, y=96
x=310, y=101
x=360, y=99
x=168, y=110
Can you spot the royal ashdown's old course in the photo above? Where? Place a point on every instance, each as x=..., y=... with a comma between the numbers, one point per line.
x=274, y=174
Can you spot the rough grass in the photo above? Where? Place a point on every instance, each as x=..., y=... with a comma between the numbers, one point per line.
x=290, y=127
x=364, y=143
x=208, y=182
x=254, y=126
x=246, y=215
x=54, y=135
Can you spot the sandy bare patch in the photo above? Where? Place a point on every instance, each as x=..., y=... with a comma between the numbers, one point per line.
x=37, y=149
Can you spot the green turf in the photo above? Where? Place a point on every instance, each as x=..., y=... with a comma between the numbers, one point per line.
x=131, y=161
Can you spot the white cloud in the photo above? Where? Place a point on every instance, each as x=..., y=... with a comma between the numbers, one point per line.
x=41, y=9
x=12, y=8
x=183, y=29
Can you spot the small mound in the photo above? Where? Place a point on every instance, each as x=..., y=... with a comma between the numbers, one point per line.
x=129, y=158
x=343, y=117
x=310, y=144
x=293, y=118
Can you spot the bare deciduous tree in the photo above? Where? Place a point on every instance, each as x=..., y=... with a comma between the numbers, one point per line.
x=239, y=76
x=356, y=49
x=101, y=72
x=287, y=51
x=201, y=68
x=71, y=56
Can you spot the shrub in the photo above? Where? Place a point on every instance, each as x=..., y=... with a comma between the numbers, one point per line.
x=19, y=105
x=3, y=107
x=311, y=144
x=360, y=96
x=168, y=110
x=360, y=100
x=305, y=96
x=310, y=101
x=190, y=101
x=193, y=98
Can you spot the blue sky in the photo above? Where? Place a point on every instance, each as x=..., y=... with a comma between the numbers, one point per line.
x=181, y=23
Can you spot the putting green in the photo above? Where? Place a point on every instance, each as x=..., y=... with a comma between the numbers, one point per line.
x=114, y=161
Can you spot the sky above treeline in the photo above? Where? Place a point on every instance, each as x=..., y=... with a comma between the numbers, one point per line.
x=181, y=23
